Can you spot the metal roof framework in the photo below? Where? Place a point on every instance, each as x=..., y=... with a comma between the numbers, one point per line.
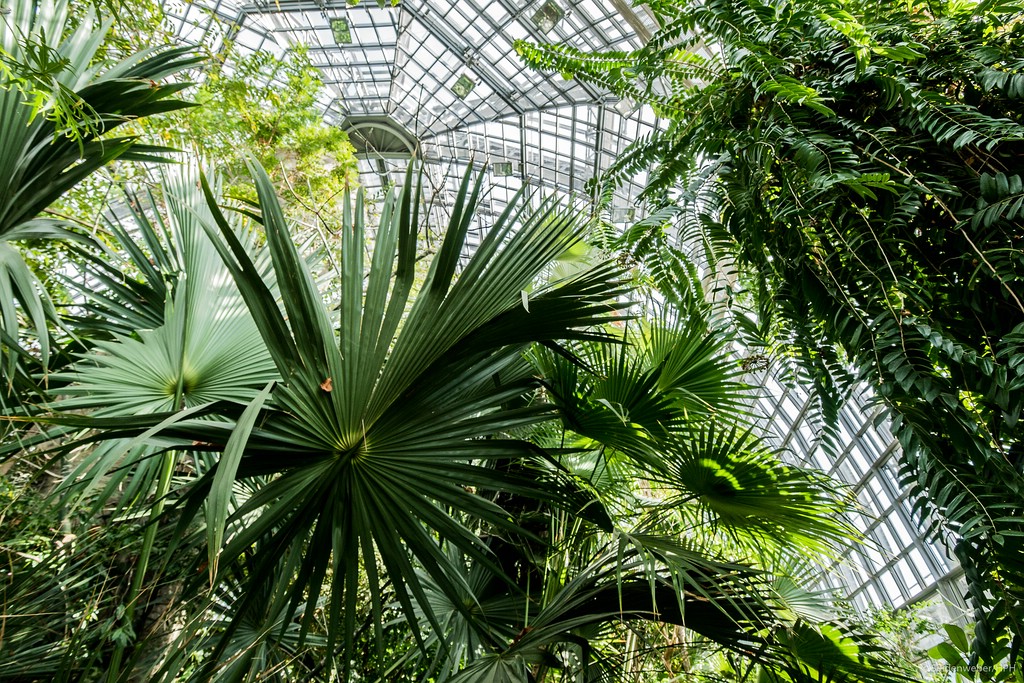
x=404, y=64
x=897, y=565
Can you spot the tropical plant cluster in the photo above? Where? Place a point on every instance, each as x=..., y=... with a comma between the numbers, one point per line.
x=233, y=455
x=852, y=170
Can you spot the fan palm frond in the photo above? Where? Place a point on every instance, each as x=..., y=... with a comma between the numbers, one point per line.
x=392, y=415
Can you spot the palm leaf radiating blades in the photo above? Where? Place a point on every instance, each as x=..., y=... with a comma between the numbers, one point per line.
x=391, y=418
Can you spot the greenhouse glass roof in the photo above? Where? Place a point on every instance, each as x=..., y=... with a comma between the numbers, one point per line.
x=441, y=79
x=896, y=566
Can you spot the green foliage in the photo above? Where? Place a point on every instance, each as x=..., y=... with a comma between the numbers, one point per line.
x=58, y=110
x=669, y=402
x=907, y=635
x=250, y=103
x=853, y=169
x=36, y=77
x=463, y=467
x=194, y=345
x=266, y=106
x=955, y=659
x=381, y=414
x=62, y=592
x=417, y=475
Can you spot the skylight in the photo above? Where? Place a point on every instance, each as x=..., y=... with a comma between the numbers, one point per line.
x=548, y=15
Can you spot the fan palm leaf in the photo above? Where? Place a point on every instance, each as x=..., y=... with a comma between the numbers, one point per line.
x=262, y=646
x=742, y=487
x=394, y=414
x=206, y=347
x=669, y=402
x=664, y=378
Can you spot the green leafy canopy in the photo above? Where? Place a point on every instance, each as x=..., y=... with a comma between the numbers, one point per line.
x=852, y=170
